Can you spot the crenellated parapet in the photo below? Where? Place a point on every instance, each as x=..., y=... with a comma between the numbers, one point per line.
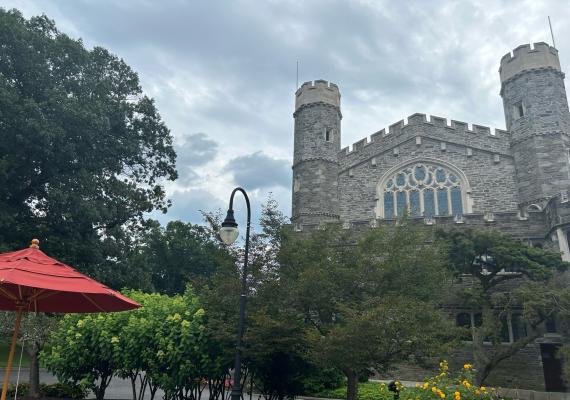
x=527, y=57
x=436, y=128
x=319, y=91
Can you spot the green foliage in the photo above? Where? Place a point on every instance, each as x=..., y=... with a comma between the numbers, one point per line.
x=366, y=391
x=505, y=277
x=170, y=257
x=321, y=379
x=163, y=345
x=83, y=150
x=371, y=300
x=445, y=385
x=54, y=390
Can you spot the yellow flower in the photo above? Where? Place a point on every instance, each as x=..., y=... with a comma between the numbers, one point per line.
x=425, y=386
x=483, y=389
x=434, y=389
x=441, y=394
x=466, y=384
x=457, y=395
x=467, y=366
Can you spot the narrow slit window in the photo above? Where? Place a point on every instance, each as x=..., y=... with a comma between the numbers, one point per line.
x=519, y=110
x=329, y=134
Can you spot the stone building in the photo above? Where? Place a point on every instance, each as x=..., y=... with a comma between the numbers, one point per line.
x=450, y=172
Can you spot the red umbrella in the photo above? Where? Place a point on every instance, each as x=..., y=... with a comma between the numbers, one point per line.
x=32, y=281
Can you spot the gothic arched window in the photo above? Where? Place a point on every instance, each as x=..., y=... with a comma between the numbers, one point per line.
x=423, y=189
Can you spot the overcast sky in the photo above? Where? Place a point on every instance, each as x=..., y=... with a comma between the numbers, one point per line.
x=223, y=73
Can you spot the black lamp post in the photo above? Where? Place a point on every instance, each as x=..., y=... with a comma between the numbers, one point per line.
x=229, y=233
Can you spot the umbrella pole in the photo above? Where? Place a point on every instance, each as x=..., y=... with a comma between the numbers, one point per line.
x=8, y=369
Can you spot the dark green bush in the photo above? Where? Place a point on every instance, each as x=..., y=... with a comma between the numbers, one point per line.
x=64, y=391
x=22, y=390
x=321, y=379
x=57, y=390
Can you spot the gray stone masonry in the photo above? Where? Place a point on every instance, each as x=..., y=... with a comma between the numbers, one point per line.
x=316, y=145
x=536, y=114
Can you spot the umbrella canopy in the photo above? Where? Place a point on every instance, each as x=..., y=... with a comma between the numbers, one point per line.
x=32, y=281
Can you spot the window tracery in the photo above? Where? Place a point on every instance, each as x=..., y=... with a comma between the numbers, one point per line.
x=423, y=189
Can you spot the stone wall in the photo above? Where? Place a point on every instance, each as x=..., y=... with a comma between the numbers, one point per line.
x=485, y=159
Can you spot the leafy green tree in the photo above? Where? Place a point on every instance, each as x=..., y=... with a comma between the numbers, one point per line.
x=506, y=278
x=84, y=349
x=369, y=301
x=162, y=345
x=274, y=353
x=83, y=151
x=171, y=257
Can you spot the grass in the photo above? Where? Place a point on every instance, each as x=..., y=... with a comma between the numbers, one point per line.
x=5, y=349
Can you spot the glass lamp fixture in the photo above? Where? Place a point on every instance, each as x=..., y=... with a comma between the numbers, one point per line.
x=229, y=230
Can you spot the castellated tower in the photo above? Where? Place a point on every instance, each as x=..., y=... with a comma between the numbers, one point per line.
x=536, y=113
x=316, y=144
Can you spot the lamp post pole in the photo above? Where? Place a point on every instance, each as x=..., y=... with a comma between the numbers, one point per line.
x=228, y=234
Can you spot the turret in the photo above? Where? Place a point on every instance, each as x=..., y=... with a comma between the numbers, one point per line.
x=316, y=145
x=537, y=117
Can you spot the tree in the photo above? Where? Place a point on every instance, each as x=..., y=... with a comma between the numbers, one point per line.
x=163, y=345
x=274, y=354
x=170, y=257
x=369, y=301
x=506, y=278
x=83, y=151
x=35, y=329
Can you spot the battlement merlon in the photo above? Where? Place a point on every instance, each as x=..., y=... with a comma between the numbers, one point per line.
x=525, y=58
x=454, y=127
x=317, y=91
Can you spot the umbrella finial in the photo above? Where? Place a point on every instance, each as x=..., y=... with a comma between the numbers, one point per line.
x=35, y=244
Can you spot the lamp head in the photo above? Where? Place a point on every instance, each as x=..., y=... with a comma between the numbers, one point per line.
x=229, y=230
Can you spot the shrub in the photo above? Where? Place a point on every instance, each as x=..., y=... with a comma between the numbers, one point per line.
x=444, y=386
x=64, y=391
x=22, y=390
x=57, y=390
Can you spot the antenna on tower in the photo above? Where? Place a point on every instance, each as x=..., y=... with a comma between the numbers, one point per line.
x=297, y=87
x=551, y=33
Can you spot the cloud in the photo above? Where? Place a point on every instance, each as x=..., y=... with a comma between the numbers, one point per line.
x=197, y=149
x=187, y=206
x=259, y=171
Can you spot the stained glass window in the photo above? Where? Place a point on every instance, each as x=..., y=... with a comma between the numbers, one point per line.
x=388, y=205
x=423, y=189
x=429, y=204
x=456, y=205
x=415, y=209
x=442, y=208
x=401, y=202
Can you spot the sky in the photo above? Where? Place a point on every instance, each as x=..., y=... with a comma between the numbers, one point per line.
x=223, y=73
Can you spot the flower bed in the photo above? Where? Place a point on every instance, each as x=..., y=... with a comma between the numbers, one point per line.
x=444, y=386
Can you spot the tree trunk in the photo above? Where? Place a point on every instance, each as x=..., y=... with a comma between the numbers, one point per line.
x=34, y=389
x=99, y=391
x=351, y=385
